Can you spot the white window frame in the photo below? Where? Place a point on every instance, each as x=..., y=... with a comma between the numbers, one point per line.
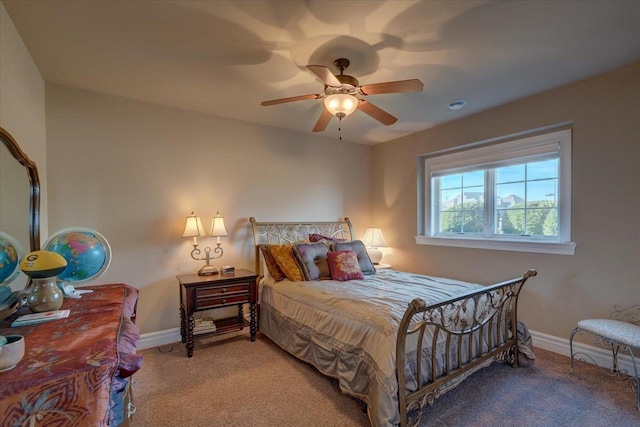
x=530, y=144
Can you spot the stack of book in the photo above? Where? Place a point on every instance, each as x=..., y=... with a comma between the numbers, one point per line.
x=203, y=326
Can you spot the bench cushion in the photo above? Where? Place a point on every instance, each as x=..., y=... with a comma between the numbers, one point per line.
x=615, y=330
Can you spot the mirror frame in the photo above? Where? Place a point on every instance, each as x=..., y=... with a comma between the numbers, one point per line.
x=34, y=187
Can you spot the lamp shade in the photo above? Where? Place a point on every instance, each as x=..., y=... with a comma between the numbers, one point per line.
x=373, y=238
x=217, y=227
x=341, y=104
x=193, y=227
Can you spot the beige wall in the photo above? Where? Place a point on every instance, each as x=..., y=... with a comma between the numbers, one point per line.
x=22, y=114
x=605, y=111
x=134, y=171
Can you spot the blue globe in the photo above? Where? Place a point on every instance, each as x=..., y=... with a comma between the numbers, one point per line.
x=87, y=253
x=10, y=255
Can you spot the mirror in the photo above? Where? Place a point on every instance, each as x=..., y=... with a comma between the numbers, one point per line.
x=19, y=198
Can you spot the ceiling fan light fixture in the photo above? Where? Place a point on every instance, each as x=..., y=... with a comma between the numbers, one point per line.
x=343, y=94
x=341, y=104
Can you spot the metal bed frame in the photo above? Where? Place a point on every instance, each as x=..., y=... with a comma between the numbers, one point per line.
x=483, y=322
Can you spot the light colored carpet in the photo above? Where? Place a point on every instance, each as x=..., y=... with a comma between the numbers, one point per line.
x=234, y=382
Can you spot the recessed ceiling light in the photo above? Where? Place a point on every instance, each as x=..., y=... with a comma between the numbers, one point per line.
x=457, y=104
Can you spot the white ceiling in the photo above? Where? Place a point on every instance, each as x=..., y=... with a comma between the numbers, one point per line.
x=225, y=57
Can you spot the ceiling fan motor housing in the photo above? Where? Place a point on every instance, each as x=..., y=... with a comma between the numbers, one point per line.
x=349, y=83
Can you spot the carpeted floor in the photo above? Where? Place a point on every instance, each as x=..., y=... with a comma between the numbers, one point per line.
x=234, y=382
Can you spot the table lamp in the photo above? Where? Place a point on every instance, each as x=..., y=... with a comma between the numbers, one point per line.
x=43, y=267
x=193, y=228
x=373, y=239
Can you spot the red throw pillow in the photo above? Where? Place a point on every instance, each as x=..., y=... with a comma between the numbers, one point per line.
x=343, y=265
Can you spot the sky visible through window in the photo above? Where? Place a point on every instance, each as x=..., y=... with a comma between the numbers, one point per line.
x=533, y=181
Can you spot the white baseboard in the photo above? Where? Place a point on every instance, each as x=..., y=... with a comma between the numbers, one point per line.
x=601, y=356
x=544, y=341
x=156, y=339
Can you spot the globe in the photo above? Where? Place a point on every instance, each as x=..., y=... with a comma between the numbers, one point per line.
x=10, y=255
x=87, y=252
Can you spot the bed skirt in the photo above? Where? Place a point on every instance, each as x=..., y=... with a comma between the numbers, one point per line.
x=356, y=377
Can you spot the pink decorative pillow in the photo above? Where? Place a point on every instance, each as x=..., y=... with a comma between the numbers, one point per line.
x=344, y=265
x=366, y=266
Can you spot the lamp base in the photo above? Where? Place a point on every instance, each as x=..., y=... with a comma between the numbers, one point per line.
x=45, y=295
x=207, y=270
x=375, y=254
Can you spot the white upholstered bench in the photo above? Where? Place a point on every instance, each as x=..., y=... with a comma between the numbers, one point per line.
x=620, y=333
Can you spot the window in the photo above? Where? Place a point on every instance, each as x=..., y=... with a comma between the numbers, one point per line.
x=513, y=195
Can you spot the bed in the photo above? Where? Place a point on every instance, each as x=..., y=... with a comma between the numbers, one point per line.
x=395, y=340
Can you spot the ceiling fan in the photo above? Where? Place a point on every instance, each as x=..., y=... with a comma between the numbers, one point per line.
x=342, y=95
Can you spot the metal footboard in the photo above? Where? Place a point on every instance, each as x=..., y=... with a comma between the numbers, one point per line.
x=468, y=332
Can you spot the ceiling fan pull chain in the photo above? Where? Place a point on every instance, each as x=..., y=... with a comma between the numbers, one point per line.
x=340, y=128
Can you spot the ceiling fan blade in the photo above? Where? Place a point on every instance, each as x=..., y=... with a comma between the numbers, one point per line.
x=291, y=99
x=323, y=121
x=376, y=112
x=325, y=75
x=413, y=85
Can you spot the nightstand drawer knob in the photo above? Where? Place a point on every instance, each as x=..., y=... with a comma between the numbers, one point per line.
x=224, y=301
x=224, y=290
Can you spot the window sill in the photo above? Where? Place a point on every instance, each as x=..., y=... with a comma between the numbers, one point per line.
x=568, y=248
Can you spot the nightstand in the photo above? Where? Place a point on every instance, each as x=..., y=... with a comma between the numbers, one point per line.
x=382, y=266
x=199, y=293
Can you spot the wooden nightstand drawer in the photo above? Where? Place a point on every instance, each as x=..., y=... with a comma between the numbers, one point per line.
x=221, y=290
x=215, y=296
x=221, y=299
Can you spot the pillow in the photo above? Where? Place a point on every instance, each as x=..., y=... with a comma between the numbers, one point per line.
x=363, y=257
x=272, y=265
x=344, y=265
x=313, y=237
x=283, y=254
x=312, y=259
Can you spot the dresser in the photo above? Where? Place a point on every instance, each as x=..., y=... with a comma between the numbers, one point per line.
x=76, y=371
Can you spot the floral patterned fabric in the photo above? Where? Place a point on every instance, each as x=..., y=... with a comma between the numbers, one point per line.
x=73, y=368
x=344, y=265
x=283, y=255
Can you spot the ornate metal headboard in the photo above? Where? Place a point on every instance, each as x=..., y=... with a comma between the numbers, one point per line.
x=282, y=233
